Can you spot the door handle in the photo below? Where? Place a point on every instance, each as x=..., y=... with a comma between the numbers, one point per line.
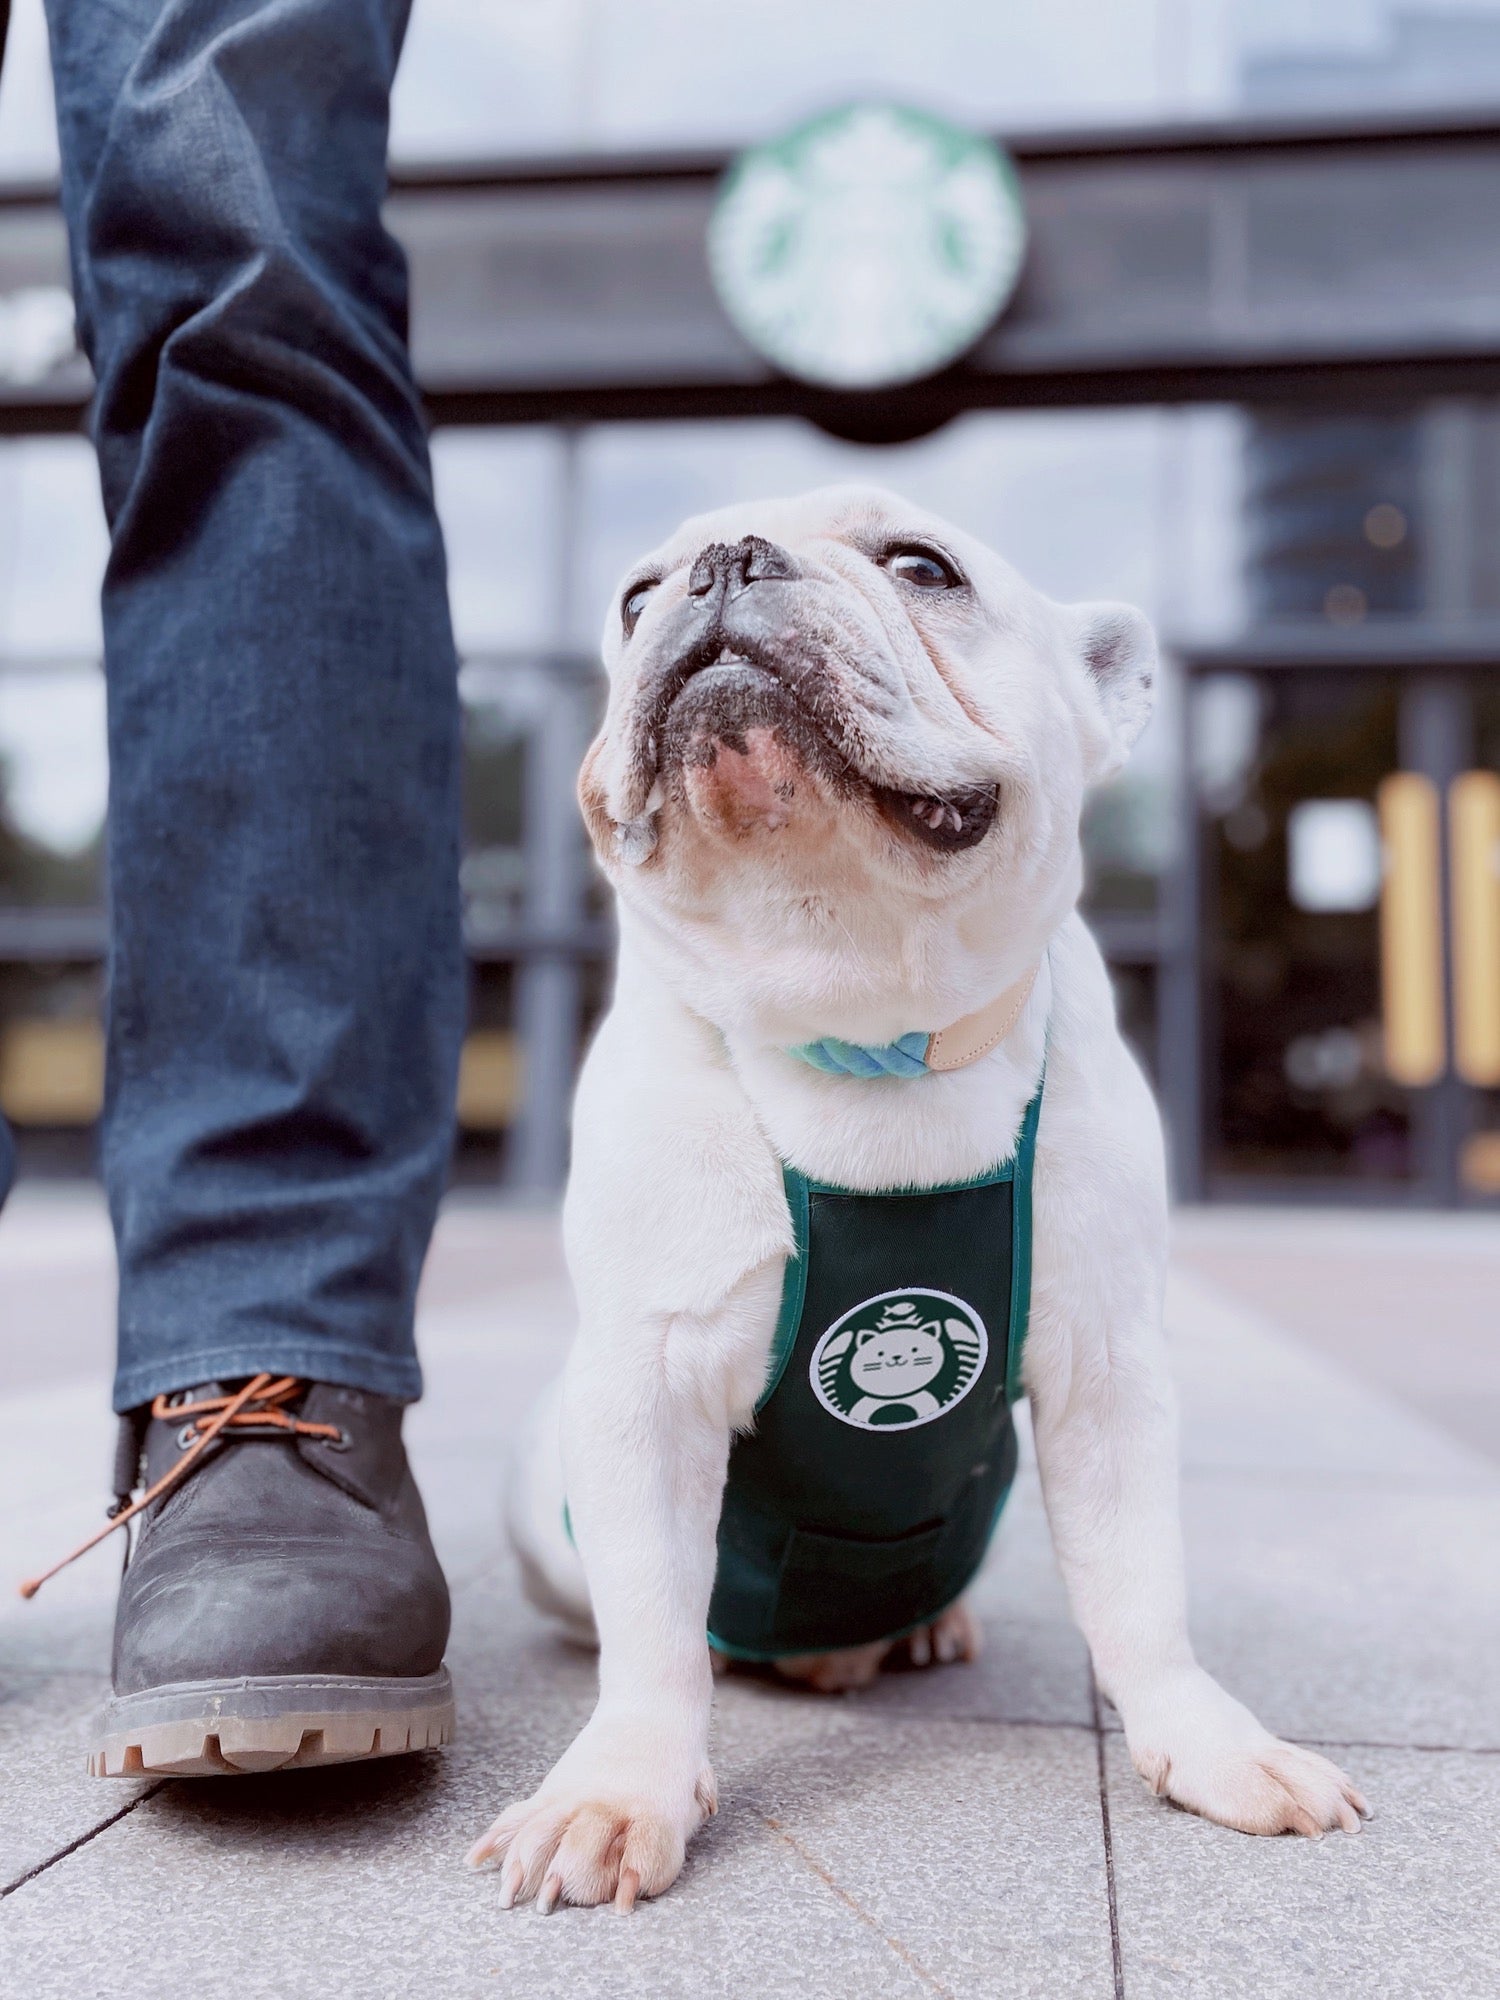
x=1411, y=929
x=1474, y=901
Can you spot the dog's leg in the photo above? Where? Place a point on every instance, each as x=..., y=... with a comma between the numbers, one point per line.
x=1108, y=1462
x=1106, y=1440
x=647, y=1415
x=536, y=1520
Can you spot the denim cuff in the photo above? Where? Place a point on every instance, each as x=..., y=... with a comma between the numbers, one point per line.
x=351, y=1367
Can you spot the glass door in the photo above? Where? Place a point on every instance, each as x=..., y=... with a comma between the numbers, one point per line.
x=1349, y=910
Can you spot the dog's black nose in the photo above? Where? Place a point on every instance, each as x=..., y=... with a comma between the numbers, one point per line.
x=733, y=567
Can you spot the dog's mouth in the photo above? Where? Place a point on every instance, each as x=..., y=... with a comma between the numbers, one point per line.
x=949, y=822
x=715, y=695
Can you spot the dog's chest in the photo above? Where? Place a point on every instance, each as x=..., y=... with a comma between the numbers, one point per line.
x=864, y=1498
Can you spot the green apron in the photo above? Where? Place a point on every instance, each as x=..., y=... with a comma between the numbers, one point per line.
x=864, y=1499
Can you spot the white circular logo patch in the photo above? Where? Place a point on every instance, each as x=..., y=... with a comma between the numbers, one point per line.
x=899, y=1360
x=870, y=246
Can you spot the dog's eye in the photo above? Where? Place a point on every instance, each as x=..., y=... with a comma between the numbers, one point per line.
x=923, y=568
x=633, y=603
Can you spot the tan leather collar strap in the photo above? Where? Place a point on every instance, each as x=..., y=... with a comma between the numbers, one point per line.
x=977, y=1033
x=917, y=1054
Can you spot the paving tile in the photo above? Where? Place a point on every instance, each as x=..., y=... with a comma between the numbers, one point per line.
x=1406, y=1910
x=486, y=1357
x=939, y=1833
x=480, y=1244
x=1407, y=1303
x=353, y=1882
x=852, y=1853
x=54, y=1487
x=979, y=1848
x=870, y=1856
x=49, y=1798
x=57, y=1286
x=1255, y=1400
x=1350, y=1614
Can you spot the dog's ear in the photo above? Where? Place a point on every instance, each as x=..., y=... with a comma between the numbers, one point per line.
x=1119, y=651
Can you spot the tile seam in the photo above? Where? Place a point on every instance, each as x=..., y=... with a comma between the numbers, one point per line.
x=1423, y=1749
x=1319, y=1742
x=93, y=1833
x=904, y=1952
x=1116, y=1955
x=1310, y=1742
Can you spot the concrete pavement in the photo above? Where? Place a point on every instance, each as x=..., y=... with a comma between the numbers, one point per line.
x=968, y=1832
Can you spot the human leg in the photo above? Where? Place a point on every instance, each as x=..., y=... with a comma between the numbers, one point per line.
x=286, y=977
x=286, y=982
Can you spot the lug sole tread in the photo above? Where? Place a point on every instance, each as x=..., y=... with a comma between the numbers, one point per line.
x=229, y=1746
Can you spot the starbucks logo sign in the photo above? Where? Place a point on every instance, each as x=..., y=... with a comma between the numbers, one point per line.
x=869, y=247
x=899, y=1360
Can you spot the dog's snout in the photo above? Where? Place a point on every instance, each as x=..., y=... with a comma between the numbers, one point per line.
x=734, y=566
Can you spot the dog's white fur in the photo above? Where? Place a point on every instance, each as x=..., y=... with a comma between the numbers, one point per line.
x=748, y=925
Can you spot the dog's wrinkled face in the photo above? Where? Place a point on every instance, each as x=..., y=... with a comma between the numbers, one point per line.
x=828, y=711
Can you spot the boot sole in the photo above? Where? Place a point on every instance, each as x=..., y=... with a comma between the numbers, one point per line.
x=216, y=1729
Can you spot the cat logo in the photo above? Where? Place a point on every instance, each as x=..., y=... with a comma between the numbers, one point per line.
x=899, y=1360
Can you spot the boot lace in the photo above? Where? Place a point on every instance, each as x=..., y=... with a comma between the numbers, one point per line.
x=260, y=1405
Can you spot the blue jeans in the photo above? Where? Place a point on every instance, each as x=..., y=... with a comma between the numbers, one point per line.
x=286, y=985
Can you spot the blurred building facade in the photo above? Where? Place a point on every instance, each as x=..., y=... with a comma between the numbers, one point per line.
x=1379, y=524
x=1220, y=524
x=1363, y=513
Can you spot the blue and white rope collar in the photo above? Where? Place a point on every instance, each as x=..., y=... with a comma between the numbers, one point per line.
x=917, y=1054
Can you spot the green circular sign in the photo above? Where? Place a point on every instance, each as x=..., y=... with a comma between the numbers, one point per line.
x=868, y=247
x=899, y=1360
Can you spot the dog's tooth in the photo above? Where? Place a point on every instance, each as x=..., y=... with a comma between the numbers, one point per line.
x=917, y=808
x=956, y=818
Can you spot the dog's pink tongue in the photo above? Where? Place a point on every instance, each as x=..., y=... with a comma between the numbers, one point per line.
x=745, y=790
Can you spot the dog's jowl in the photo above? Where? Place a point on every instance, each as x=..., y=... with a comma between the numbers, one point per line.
x=859, y=1159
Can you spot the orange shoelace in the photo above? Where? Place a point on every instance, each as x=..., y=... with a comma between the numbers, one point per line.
x=261, y=1404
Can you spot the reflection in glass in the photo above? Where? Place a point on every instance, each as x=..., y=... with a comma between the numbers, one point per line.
x=1294, y=980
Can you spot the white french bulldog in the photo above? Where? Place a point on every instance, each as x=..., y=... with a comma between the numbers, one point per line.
x=838, y=792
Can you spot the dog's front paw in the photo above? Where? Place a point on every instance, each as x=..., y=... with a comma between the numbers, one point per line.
x=1198, y=1746
x=611, y=1823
